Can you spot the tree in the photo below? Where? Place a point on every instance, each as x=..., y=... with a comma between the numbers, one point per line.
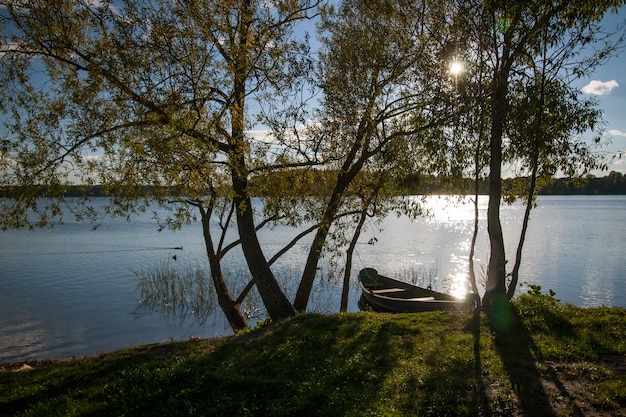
x=545, y=135
x=533, y=47
x=151, y=100
x=383, y=109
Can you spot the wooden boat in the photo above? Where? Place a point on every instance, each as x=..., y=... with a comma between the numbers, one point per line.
x=383, y=294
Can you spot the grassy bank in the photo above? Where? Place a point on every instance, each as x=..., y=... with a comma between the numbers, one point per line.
x=547, y=359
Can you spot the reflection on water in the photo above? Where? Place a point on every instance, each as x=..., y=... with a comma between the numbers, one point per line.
x=454, y=209
x=23, y=337
x=72, y=292
x=596, y=289
x=459, y=285
x=573, y=245
x=26, y=338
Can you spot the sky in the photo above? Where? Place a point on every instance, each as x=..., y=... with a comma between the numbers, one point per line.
x=608, y=86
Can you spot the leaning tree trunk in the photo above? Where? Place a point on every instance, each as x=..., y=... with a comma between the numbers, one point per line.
x=536, y=137
x=230, y=307
x=310, y=268
x=274, y=299
x=518, y=256
x=477, y=169
x=471, y=267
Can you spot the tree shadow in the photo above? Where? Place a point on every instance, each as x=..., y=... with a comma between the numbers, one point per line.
x=520, y=356
x=309, y=366
x=480, y=393
x=328, y=369
x=453, y=384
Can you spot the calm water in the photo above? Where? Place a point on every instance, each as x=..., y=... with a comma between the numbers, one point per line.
x=73, y=292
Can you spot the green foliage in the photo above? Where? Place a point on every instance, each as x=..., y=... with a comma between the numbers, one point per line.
x=138, y=97
x=263, y=323
x=520, y=100
x=613, y=183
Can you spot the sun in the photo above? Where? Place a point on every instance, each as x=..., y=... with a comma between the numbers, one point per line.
x=456, y=68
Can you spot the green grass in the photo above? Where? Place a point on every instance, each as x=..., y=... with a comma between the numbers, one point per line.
x=551, y=359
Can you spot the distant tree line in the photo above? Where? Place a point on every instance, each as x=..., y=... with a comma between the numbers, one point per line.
x=612, y=184
x=416, y=184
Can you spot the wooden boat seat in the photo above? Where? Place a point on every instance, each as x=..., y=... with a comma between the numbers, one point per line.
x=421, y=299
x=388, y=291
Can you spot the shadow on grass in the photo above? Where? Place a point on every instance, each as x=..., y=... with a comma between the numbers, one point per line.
x=455, y=386
x=480, y=394
x=66, y=387
x=429, y=364
x=312, y=366
x=520, y=356
x=337, y=370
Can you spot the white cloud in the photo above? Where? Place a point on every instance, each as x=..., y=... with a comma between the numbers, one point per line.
x=260, y=135
x=94, y=3
x=88, y=158
x=599, y=88
x=614, y=132
x=8, y=47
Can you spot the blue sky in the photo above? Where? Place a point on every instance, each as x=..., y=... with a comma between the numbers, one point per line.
x=608, y=85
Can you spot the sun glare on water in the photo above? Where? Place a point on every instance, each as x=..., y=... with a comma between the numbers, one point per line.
x=446, y=209
x=459, y=284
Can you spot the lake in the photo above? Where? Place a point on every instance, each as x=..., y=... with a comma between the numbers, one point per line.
x=72, y=292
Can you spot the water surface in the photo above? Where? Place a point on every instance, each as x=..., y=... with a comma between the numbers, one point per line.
x=71, y=291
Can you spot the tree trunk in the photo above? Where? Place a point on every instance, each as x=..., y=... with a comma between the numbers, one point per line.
x=472, y=270
x=310, y=268
x=277, y=305
x=308, y=275
x=274, y=299
x=230, y=308
x=477, y=169
x=518, y=256
x=346, y=277
x=536, y=137
x=496, y=272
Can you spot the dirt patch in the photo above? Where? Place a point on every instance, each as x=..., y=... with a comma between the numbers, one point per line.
x=25, y=366
x=572, y=388
x=614, y=363
x=562, y=389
